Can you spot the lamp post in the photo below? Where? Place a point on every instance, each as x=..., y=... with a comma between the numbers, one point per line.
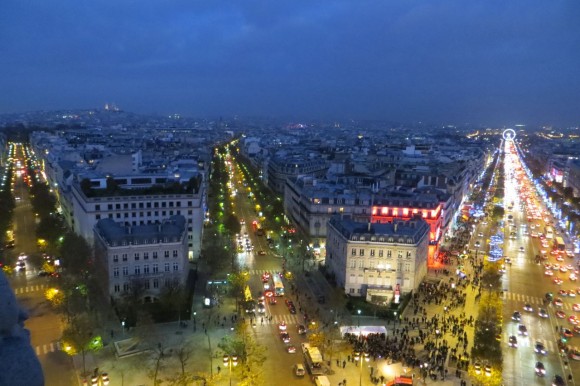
x=359, y=358
x=358, y=312
x=229, y=362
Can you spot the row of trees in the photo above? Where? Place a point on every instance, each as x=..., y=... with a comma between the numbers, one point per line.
x=488, y=326
x=6, y=206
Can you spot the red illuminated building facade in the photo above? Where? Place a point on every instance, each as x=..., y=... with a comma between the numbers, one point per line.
x=430, y=210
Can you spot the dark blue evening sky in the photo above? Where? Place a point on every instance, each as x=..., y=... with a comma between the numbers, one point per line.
x=489, y=62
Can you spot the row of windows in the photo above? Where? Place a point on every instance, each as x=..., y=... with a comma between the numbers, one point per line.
x=143, y=205
x=137, y=269
x=400, y=240
x=381, y=265
x=142, y=214
x=372, y=253
x=147, y=284
x=137, y=255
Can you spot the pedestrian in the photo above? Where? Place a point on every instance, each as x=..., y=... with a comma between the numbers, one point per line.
x=219, y=369
x=344, y=382
x=343, y=364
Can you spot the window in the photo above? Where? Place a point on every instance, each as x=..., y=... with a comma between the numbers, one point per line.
x=117, y=288
x=137, y=270
x=175, y=267
x=116, y=272
x=97, y=207
x=166, y=253
x=155, y=268
x=361, y=252
x=361, y=264
x=408, y=254
x=155, y=283
x=407, y=267
x=137, y=256
x=166, y=267
x=125, y=271
x=351, y=290
x=117, y=206
x=146, y=269
x=380, y=253
x=126, y=287
x=389, y=253
x=400, y=254
x=145, y=254
x=147, y=284
x=110, y=206
x=353, y=252
x=175, y=253
x=353, y=263
x=155, y=254
x=97, y=217
x=115, y=258
x=372, y=253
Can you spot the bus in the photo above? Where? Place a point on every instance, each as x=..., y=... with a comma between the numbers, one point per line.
x=278, y=285
x=313, y=359
x=549, y=233
x=559, y=244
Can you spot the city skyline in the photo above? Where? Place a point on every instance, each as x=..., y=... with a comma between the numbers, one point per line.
x=445, y=61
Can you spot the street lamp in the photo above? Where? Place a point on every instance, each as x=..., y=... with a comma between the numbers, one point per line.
x=358, y=312
x=357, y=357
x=230, y=361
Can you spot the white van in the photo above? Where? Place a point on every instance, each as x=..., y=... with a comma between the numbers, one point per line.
x=299, y=370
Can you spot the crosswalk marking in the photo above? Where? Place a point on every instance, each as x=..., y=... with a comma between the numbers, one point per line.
x=568, y=303
x=30, y=288
x=47, y=348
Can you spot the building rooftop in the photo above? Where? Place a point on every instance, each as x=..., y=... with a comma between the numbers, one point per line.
x=115, y=234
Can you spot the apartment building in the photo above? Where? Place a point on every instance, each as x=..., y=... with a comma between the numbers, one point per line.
x=143, y=258
x=375, y=260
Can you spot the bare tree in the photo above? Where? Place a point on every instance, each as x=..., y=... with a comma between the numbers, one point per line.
x=157, y=358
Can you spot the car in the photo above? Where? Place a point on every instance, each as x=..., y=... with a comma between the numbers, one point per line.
x=272, y=300
x=571, y=294
x=261, y=252
x=285, y=337
x=573, y=320
x=549, y=296
x=558, y=381
x=299, y=370
x=301, y=329
x=513, y=341
x=576, y=307
x=566, y=332
x=555, y=267
x=477, y=367
x=22, y=256
x=480, y=234
x=20, y=266
x=548, y=273
x=557, y=281
x=558, y=302
x=266, y=286
x=540, y=369
x=572, y=277
x=522, y=249
x=560, y=314
x=516, y=316
x=522, y=330
x=539, y=348
x=43, y=274
x=105, y=379
x=528, y=307
x=563, y=269
x=576, y=330
x=574, y=354
x=282, y=326
x=265, y=277
x=477, y=244
x=261, y=308
x=559, y=258
x=563, y=292
x=291, y=349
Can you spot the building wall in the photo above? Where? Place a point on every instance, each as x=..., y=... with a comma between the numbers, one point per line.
x=152, y=266
x=363, y=263
x=138, y=210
